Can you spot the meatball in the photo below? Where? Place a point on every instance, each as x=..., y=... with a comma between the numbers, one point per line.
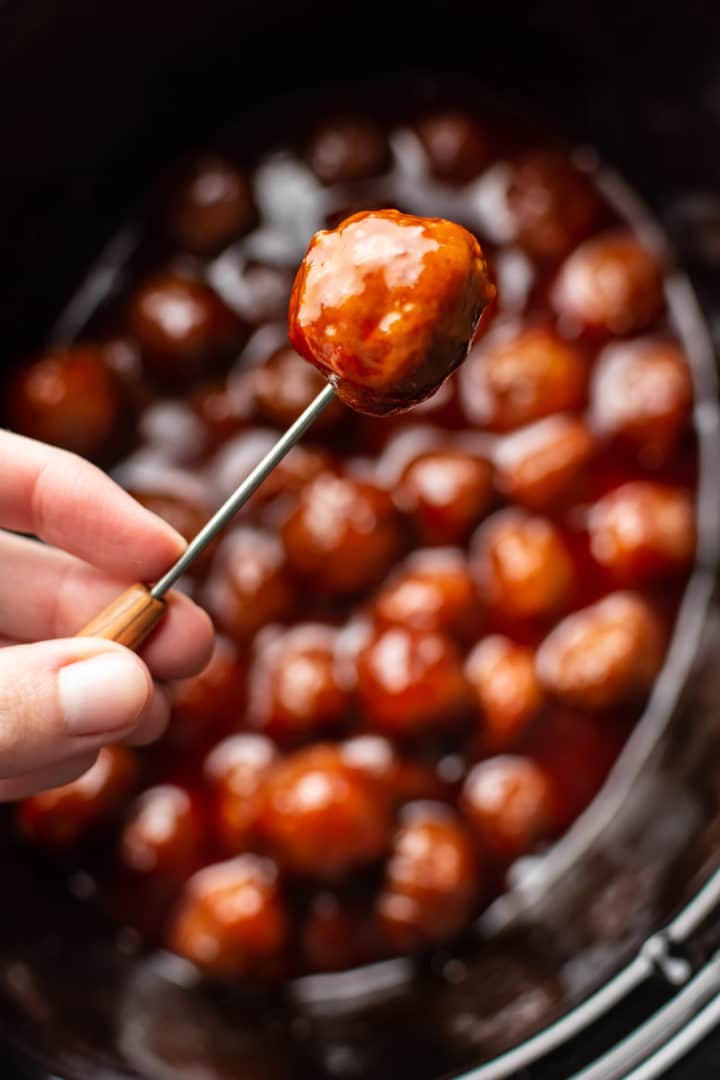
x=508, y=803
x=347, y=149
x=432, y=880
x=446, y=492
x=235, y=771
x=296, y=686
x=409, y=682
x=551, y=205
x=386, y=306
x=232, y=921
x=642, y=396
x=183, y=328
x=605, y=655
x=610, y=285
x=248, y=584
x=322, y=817
x=456, y=146
x=208, y=705
x=502, y=678
x=70, y=398
x=163, y=835
x=643, y=531
x=209, y=205
x=343, y=535
x=433, y=590
x=284, y=385
x=515, y=377
x=541, y=465
x=59, y=818
x=522, y=566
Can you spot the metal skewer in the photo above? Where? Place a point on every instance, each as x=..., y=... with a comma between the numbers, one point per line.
x=131, y=617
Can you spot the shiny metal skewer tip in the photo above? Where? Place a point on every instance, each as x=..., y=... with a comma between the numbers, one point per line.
x=242, y=493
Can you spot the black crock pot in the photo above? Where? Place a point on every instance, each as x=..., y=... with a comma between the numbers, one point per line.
x=620, y=916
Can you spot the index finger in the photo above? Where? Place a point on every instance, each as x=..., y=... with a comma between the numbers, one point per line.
x=72, y=504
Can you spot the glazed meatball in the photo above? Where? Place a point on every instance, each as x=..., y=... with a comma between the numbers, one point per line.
x=642, y=396
x=235, y=771
x=296, y=684
x=446, y=492
x=610, y=285
x=59, y=818
x=605, y=655
x=223, y=408
x=163, y=834
x=409, y=682
x=501, y=675
x=343, y=535
x=346, y=150
x=209, y=205
x=336, y=934
x=542, y=465
x=71, y=398
x=643, y=531
x=522, y=566
x=321, y=817
x=284, y=385
x=208, y=705
x=433, y=590
x=248, y=584
x=518, y=376
x=508, y=803
x=232, y=921
x=386, y=306
x=551, y=204
x=457, y=147
x=432, y=880
x=183, y=328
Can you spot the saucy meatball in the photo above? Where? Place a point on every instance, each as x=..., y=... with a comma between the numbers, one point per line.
x=343, y=535
x=433, y=590
x=235, y=771
x=248, y=584
x=321, y=817
x=386, y=306
x=163, y=834
x=515, y=377
x=284, y=385
x=542, y=464
x=501, y=675
x=643, y=531
x=347, y=149
x=642, y=396
x=61, y=817
x=605, y=655
x=522, y=566
x=456, y=146
x=410, y=681
x=207, y=705
x=232, y=920
x=508, y=803
x=71, y=398
x=446, y=492
x=183, y=328
x=209, y=205
x=551, y=204
x=610, y=285
x=432, y=881
x=296, y=686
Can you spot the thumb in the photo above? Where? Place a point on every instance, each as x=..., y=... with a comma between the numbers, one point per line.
x=62, y=698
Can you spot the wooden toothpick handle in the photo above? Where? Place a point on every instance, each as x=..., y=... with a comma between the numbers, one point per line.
x=128, y=619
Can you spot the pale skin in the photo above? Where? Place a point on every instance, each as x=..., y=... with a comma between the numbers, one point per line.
x=62, y=698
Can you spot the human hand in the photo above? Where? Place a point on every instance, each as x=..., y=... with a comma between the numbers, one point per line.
x=62, y=700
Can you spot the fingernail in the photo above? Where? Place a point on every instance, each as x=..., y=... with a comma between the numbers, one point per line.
x=103, y=694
